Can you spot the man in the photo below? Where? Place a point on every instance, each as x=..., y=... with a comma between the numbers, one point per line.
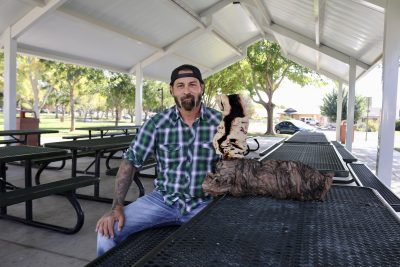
x=181, y=140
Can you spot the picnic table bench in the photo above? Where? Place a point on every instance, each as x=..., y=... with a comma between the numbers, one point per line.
x=13, y=195
x=344, y=153
x=66, y=186
x=365, y=177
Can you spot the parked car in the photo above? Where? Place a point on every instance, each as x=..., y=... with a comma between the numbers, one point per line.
x=310, y=121
x=293, y=126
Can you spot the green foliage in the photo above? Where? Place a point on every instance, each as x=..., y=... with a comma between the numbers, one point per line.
x=226, y=81
x=329, y=106
x=373, y=126
x=397, y=125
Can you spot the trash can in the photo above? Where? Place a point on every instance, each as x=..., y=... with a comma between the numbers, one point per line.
x=31, y=122
x=343, y=126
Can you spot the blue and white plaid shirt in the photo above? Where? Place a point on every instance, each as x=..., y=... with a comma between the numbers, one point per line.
x=184, y=155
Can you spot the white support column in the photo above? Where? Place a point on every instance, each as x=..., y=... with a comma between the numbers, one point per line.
x=391, y=54
x=351, y=99
x=10, y=81
x=339, y=103
x=138, y=94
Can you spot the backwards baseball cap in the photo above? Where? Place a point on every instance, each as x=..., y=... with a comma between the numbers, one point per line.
x=195, y=73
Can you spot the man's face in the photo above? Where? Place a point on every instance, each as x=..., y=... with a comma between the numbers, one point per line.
x=187, y=92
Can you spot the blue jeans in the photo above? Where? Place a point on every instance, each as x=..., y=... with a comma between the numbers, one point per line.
x=147, y=211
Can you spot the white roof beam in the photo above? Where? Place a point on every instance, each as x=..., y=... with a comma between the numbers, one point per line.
x=311, y=66
x=377, y=5
x=67, y=58
x=215, y=8
x=193, y=62
x=253, y=18
x=32, y=17
x=103, y=25
x=319, y=13
x=34, y=2
x=265, y=14
x=169, y=49
x=181, y=5
x=311, y=43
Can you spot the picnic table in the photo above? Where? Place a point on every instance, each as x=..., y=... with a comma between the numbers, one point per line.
x=104, y=130
x=21, y=136
x=16, y=195
x=98, y=147
x=353, y=226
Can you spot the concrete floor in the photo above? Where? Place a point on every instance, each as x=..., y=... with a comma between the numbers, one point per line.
x=22, y=245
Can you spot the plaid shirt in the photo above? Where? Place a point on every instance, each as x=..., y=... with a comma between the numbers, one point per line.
x=184, y=155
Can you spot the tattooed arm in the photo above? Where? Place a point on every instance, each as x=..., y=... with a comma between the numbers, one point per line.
x=105, y=225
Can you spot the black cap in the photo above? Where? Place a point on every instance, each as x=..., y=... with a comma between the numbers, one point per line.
x=195, y=73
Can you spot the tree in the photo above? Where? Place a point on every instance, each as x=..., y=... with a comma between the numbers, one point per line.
x=329, y=106
x=226, y=81
x=31, y=69
x=118, y=91
x=263, y=71
x=70, y=78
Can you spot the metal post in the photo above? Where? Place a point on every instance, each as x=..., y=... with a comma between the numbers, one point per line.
x=369, y=99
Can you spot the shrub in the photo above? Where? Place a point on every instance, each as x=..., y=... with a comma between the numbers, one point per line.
x=398, y=125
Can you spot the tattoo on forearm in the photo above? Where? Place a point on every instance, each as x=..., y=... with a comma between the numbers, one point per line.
x=123, y=182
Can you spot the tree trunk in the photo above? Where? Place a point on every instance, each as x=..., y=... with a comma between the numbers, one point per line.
x=72, y=105
x=116, y=116
x=270, y=120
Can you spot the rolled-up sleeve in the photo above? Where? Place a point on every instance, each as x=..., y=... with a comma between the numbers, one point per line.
x=142, y=145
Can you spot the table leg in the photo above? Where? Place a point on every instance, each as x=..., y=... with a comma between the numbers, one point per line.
x=3, y=185
x=74, y=162
x=28, y=183
x=97, y=173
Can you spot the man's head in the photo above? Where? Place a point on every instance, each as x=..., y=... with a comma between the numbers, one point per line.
x=187, y=86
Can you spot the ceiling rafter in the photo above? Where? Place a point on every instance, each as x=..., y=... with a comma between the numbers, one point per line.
x=313, y=67
x=377, y=5
x=32, y=17
x=181, y=5
x=190, y=36
x=311, y=43
x=67, y=58
x=215, y=8
x=106, y=26
x=40, y=3
x=267, y=20
x=319, y=16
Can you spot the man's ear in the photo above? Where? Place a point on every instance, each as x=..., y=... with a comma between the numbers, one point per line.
x=170, y=90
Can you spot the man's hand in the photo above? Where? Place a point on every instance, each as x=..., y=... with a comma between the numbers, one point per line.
x=105, y=226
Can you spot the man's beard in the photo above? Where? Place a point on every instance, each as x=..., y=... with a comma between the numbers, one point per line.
x=188, y=102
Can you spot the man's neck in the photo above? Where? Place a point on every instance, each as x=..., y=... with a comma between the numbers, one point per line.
x=189, y=117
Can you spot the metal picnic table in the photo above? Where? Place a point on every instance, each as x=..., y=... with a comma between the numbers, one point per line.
x=98, y=146
x=21, y=136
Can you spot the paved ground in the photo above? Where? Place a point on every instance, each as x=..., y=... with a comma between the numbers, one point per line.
x=22, y=245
